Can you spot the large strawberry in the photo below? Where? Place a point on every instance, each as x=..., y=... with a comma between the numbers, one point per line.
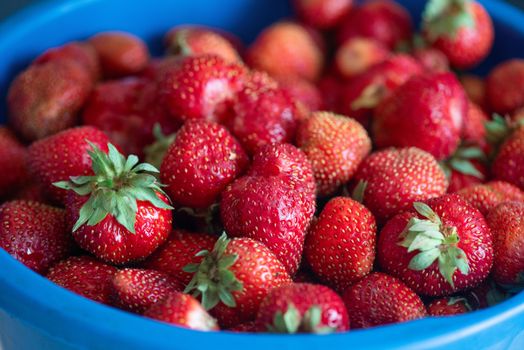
x=381, y=299
x=340, y=248
x=13, y=158
x=487, y=196
x=302, y=308
x=508, y=164
x=504, y=86
x=427, y=112
x=440, y=248
x=335, y=145
x=462, y=29
x=322, y=14
x=120, y=213
x=392, y=179
x=34, y=233
x=234, y=278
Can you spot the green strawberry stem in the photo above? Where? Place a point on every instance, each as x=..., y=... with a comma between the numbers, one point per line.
x=446, y=18
x=156, y=151
x=290, y=322
x=434, y=241
x=359, y=191
x=114, y=189
x=461, y=162
x=212, y=278
x=454, y=300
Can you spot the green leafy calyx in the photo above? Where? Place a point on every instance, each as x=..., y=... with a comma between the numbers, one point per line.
x=212, y=278
x=461, y=162
x=435, y=242
x=156, y=151
x=291, y=322
x=359, y=191
x=446, y=18
x=114, y=189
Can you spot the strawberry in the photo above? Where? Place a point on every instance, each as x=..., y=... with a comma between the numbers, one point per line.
x=137, y=290
x=45, y=98
x=182, y=310
x=303, y=91
x=487, y=196
x=507, y=226
x=474, y=131
x=381, y=299
x=302, y=308
x=462, y=30
x=357, y=55
x=270, y=210
x=34, y=233
x=432, y=60
x=179, y=251
x=335, y=145
x=473, y=174
x=439, y=248
x=200, y=87
x=427, y=112
x=263, y=113
x=475, y=88
x=13, y=157
x=200, y=163
x=119, y=214
x=194, y=41
x=508, y=164
x=60, y=156
x=322, y=14
x=120, y=53
x=85, y=276
x=286, y=49
x=238, y=274
x=342, y=255
x=330, y=86
x=394, y=178
x=449, y=306
x=383, y=20
x=504, y=86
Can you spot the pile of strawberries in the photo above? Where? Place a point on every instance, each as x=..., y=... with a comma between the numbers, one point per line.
x=336, y=173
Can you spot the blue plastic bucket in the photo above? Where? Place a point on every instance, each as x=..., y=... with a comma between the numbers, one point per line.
x=36, y=314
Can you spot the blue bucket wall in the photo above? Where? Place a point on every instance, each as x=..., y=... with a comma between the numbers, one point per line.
x=35, y=314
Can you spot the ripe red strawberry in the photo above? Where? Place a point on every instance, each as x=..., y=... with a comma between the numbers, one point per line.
x=507, y=226
x=322, y=14
x=357, y=55
x=270, y=210
x=449, y=306
x=138, y=289
x=487, y=196
x=508, y=164
x=13, y=158
x=263, y=113
x=303, y=91
x=395, y=178
x=194, y=41
x=427, y=112
x=63, y=155
x=45, y=98
x=184, y=311
x=504, y=86
x=179, y=251
x=462, y=30
x=341, y=246
x=432, y=60
x=475, y=88
x=302, y=308
x=335, y=145
x=120, y=53
x=440, y=248
x=120, y=213
x=381, y=299
x=383, y=20
x=34, y=233
x=85, y=276
x=286, y=49
x=200, y=163
x=201, y=87
x=239, y=273
x=474, y=131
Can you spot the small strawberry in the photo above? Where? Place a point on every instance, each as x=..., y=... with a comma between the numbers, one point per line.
x=394, y=178
x=302, y=308
x=474, y=130
x=507, y=225
x=462, y=30
x=475, y=88
x=60, y=156
x=381, y=299
x=182, y=310
x=449, y=306
x=357, y=55
x=200, y=163
x=504, y=86
x=335, y=145
x=427, y=112
x=120, y=53
x=303, y=91
x=85, y=276
x=286, y=49
x=138, y=289
x=487, y=196
x=322, y=14
x=342, y=254
x=440, y=248
x=508, y=164
x=34, y=233
x=432, y=60
x=383, y=20
x=200, y=87
x=13, y=158
x=238, y=274
x=119, y=214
